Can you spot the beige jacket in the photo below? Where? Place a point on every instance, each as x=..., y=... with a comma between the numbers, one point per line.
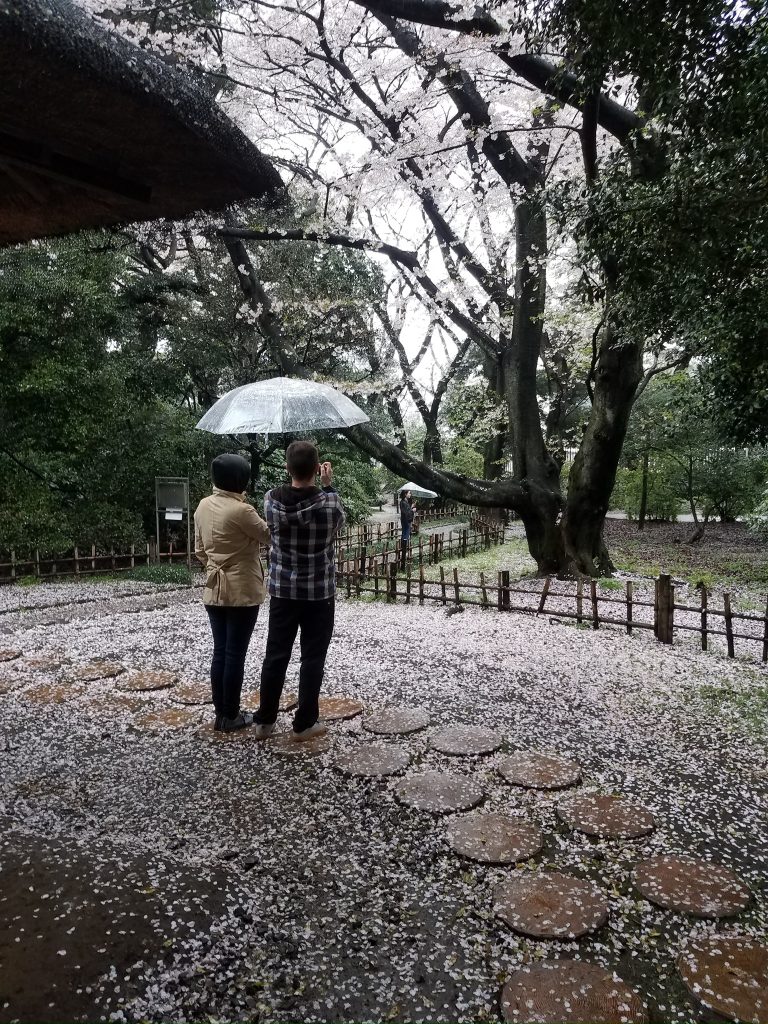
x=228, y=535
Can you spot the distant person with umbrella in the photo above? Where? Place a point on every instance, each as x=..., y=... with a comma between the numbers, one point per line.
x=228, y=537
x=303, y=522
x=406, y=516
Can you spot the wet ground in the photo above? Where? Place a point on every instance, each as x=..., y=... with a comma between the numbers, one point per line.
x=162, y=875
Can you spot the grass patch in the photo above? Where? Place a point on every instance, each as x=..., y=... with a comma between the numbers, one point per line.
x=745, y=708
x=512, y=555
x=176, y=574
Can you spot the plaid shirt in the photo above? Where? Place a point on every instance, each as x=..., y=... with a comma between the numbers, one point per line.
x=302, y=563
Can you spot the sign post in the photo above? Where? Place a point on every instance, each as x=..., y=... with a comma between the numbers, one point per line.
x=172, y=500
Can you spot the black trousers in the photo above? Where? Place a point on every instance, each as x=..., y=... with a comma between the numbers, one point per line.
x=286, y=618
x=232, y=629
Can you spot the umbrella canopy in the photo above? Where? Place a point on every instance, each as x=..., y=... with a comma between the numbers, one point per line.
x=281, y=406
x=95, y=131
x=416, y=491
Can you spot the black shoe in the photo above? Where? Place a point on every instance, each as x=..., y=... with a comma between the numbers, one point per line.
x=241, y=721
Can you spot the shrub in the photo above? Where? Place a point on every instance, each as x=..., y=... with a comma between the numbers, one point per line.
x=178, y=574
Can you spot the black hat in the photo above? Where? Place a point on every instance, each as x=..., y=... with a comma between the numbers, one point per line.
x=231, y=472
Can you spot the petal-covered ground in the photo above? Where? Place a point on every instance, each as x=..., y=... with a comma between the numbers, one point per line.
x=155, y=873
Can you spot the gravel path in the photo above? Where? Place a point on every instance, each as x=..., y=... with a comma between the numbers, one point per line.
x=199, y=878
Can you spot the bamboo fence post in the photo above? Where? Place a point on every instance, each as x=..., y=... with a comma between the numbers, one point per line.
x=37, y=562
x=421, y=583
x=133, y=556
x=112, y=557
x=593, y=599
x=765, y=633
x=629, y=607
x=392, y=592
x=77, y=562
x=376, y=582
x=456, y=592
x=703, y=618
x=357, y=577
x=421, y=551
x=728, y=624
x=505, y=597
x=544, y=592
x=348, y=579
x=579, y=600
x=13, y=564
x=408, y=585
x=483, y=591
x=442, y=583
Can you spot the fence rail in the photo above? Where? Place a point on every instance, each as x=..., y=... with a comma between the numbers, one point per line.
x=581, y=604
x=86, y=563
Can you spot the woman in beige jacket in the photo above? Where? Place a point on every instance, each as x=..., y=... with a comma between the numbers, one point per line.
x=228, y=538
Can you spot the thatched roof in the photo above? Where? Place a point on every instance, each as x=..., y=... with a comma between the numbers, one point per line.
x=93, y=131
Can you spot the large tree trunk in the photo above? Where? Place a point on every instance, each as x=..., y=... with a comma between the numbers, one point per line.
x=593, y=474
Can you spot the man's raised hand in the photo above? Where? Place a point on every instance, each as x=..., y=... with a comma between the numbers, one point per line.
x=326, y=474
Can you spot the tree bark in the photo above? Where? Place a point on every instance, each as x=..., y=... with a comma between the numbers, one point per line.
x=643, y=493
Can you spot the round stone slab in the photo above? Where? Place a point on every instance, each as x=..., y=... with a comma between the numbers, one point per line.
x=569, y=992
x=96, y=670
x=494, y=838
x=374, y=759
x=110, y=702
x=396, y=721
x=44, y=664
x=160, y=719
x=195, y=691
x=53, y=693
x=550, y=905
x=465, y=740
x=439, y=792
x=608, y=817
x=728, y=974
x=691, y=886
x=284, y=745
x=334, y=709
x=147, y=679
x=540, y=771
x=9, y=655
x=288, y=702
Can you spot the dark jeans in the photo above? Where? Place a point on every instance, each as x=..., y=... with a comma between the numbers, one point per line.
x=406, y=528
x=286, y=618
x=232, y=629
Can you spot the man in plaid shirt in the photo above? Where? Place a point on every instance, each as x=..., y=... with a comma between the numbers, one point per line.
x=303, y=522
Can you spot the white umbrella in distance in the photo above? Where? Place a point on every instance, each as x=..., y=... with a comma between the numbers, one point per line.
x=416, y=491
x=281, y=406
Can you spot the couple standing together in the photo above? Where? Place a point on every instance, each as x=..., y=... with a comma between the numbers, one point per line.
x=302, y=521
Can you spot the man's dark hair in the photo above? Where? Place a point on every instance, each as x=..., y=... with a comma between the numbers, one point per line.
x=231, y=472
x=302, y=459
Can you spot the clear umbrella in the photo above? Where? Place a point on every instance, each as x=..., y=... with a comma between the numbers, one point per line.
x=281, y=406
x=416, y=491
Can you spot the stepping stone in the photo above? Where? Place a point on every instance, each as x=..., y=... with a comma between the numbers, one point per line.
x=550, y=905
x=195, y=691
x=114, y=703
x=284, y=745
x=570, y=992
x=608, y=817
x=396, y=721
x=439, y=792
x=96, y=670
x=494, y=838
x=540, y=771
x=288, y=701
x=334, y=709
x=44, y=664
x=374, y=759
x=691, y=886
x=147, y=679
x=9, y=655
x=160, y=719
x=464, y=740
x=53, y=693
x=728, y=974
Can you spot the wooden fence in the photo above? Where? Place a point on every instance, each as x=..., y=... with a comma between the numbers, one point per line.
x=582, y=604
x=91, y=563
x=366, y=534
